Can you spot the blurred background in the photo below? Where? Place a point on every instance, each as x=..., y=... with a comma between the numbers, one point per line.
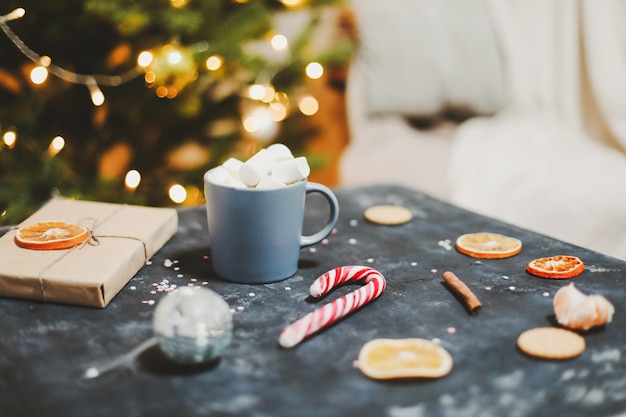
x=132, y=101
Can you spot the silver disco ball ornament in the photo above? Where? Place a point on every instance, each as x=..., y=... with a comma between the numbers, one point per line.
x=193, y=325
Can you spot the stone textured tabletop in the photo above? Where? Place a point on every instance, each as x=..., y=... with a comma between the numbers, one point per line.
x=45, y=348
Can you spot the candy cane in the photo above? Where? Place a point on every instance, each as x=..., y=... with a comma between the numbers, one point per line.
x=374, y=286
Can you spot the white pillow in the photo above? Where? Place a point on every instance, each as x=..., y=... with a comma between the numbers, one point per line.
x=423, y=56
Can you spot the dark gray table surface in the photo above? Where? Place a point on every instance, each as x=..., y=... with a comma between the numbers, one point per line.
x=45, y=348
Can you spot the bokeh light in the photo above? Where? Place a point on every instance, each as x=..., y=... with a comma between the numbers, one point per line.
x=308, y=105
x=39, y=75
x=314, y=70
x=174, y=57
x=256, y=91
x=9, y=138
x=177, y=193
x=214, y=62
x=279, y=42
x=145, y=58
x=56, y=145
x=132, y=179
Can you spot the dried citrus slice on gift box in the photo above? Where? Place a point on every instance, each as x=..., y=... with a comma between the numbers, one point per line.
x=488, y=245
x=404, y=358
x=557, y=267
x=50, y=235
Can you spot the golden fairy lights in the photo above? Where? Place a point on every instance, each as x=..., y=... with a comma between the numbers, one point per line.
x=177, y=193
x=132, y=180
x=314, y=70
x=292, y=3
x=39, y=74
x=279, y=42
x=168, y=70
x=44, y=65
x=214, y=62
x=56, y=145
x=9, y=138
x=308, y=105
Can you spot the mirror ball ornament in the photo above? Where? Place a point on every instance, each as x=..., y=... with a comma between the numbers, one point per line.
x=193, y=325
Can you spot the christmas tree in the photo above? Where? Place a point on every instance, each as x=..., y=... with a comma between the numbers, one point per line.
x=132, y=101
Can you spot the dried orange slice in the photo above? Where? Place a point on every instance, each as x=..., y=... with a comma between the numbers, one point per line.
x=557, y=267
x=488, y=245
x=50, y=235
x=404, y=358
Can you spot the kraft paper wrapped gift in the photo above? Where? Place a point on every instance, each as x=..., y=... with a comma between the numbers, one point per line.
x=123, y=238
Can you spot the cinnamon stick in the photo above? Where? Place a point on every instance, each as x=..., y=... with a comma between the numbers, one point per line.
x=472, y=302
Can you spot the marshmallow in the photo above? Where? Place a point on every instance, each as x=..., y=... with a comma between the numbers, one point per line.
x=280, y=152
x=220, y=176
x=272, y=167
x=291, y=170
x=217, y=175
x=255, y=168
x=233, y=165
x=268, y=183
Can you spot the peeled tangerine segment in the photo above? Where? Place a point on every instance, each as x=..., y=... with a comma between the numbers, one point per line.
x=404, y=358
x=576, y=310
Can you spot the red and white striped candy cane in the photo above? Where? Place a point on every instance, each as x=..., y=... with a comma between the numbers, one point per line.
x=375, y=284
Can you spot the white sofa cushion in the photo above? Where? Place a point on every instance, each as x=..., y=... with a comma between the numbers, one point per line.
x=422, y=56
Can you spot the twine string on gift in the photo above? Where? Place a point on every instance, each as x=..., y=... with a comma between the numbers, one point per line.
x=92, y=240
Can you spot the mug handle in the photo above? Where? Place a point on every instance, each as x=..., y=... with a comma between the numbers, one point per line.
x=314, y=187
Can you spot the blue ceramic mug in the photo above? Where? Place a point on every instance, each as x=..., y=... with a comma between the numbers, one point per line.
x=256, y=234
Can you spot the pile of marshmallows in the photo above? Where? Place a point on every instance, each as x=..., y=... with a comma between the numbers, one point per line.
x=272, y=167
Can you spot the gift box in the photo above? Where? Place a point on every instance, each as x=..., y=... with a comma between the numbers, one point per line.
x=122, y=239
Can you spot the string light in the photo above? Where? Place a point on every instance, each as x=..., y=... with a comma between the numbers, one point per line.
x=15, y=14
x=177, y=193
x=178, y=3
x=145, y=58
x=132, y=180
x=260, y=123
x=170, y=68
x=279, y=42
x=277, y=111
x=159, y=69
x=39, y=74
x=292, y=3
x=97, y=97
x=9, y=138
x=308, y=105
x=314, y=70
x=56, y=145
x=256, y=91
x=174, y=57
x=214, y=62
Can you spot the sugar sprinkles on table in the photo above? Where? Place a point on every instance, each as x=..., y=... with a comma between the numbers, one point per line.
x=446, y=244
